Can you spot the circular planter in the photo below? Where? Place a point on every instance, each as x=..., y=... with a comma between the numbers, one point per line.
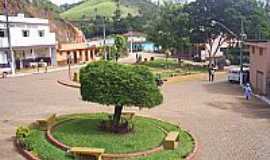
x=69, y=83
x=106, y=156
x=30, y=156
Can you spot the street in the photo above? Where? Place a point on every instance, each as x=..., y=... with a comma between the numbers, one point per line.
x=225, y=124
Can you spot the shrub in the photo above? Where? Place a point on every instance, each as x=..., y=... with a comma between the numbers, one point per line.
x=22, y=133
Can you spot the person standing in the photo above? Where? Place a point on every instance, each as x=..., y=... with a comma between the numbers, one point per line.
x=248, y=91
x=211, y=73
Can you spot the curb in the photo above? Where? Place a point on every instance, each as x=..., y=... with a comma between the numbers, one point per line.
x=26, y=154
x=57, y=69
x=132, y=155
x=194, y=153
x=262, y=98
x=29, y=156
x=191, y=156
x=58, y=144
x=108, y=156
x=66, y=83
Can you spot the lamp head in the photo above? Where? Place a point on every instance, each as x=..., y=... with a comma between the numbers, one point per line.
x=213, y=23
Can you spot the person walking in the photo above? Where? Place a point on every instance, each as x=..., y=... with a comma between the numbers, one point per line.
x=248, y=91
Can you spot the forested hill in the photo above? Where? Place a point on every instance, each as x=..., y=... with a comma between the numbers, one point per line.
x=91, y=8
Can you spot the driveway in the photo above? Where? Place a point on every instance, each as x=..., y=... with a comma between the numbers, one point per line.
x=226, y=125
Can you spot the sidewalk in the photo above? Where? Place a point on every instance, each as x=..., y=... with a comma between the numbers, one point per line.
x=42, y=70
x=263, y=98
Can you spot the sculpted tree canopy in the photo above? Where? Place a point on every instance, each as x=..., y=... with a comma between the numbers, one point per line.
x=121, y=85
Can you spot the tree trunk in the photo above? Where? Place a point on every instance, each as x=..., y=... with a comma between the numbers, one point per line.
x=117, y=114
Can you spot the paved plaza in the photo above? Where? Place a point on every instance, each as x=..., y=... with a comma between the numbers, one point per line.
x=226, y=125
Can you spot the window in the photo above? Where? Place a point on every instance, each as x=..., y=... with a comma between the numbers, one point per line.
x=26, y=33
x=261, y=51
x=41, y=33
x=3, y=33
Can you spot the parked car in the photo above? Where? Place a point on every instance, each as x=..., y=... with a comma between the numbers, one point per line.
x=5, y=70
x=234, y=74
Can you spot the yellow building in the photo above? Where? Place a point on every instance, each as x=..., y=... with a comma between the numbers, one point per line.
x=78, y=52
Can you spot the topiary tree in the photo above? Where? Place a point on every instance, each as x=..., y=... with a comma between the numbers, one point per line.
x=109, y=83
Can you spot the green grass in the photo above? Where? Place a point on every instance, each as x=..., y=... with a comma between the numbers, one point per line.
x=104, y=8
x=171, y=68
x=47, y=151
x=185, y=147
x=44, y=149
x=83, y=132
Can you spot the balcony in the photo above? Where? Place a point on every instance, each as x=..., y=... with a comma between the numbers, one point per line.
x=17, y=41
x=49, y=39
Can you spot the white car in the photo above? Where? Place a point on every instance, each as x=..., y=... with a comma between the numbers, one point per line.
x=5, y=70
x=234, y=74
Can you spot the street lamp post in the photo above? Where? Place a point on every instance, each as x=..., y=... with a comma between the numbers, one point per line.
x=104, y=39
x=9, y=38
x=243, y=36
x=241, y=40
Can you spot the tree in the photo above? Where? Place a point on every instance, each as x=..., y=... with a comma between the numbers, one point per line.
x=170, y=27
x=120, y=45
x=230, y=13
x=120, y=85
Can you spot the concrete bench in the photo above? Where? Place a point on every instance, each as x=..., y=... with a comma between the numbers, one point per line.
x=76, y=77
x=129, y=115
x=45, y=123
x=171, y=141
x=83, y=152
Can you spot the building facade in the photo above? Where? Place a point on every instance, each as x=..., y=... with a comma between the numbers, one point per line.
x=76, y=53
x=31, y=41
x=260, y=67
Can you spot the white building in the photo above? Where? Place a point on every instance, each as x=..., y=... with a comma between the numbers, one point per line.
x=100, y=42
x=31, y=41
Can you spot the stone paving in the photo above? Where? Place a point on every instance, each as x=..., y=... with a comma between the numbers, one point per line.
x=227, y=126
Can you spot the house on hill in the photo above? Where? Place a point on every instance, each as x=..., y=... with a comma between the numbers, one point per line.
x=31, y=41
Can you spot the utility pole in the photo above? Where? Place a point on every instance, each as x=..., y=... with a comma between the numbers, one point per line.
x=131, y=45
x=242, y=39
x=11, y=53
x=104, y=39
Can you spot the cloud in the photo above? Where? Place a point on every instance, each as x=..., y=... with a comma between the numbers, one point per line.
x=59, y=2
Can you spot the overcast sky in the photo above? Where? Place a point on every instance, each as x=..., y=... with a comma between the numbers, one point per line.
x=58, y=2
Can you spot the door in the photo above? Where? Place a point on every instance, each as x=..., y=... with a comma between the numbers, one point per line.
x=259, y=82
x=75, y=57
x=92, y=55
x=86, y=55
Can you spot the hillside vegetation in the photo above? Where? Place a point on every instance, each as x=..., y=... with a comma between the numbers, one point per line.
x=89, y=8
